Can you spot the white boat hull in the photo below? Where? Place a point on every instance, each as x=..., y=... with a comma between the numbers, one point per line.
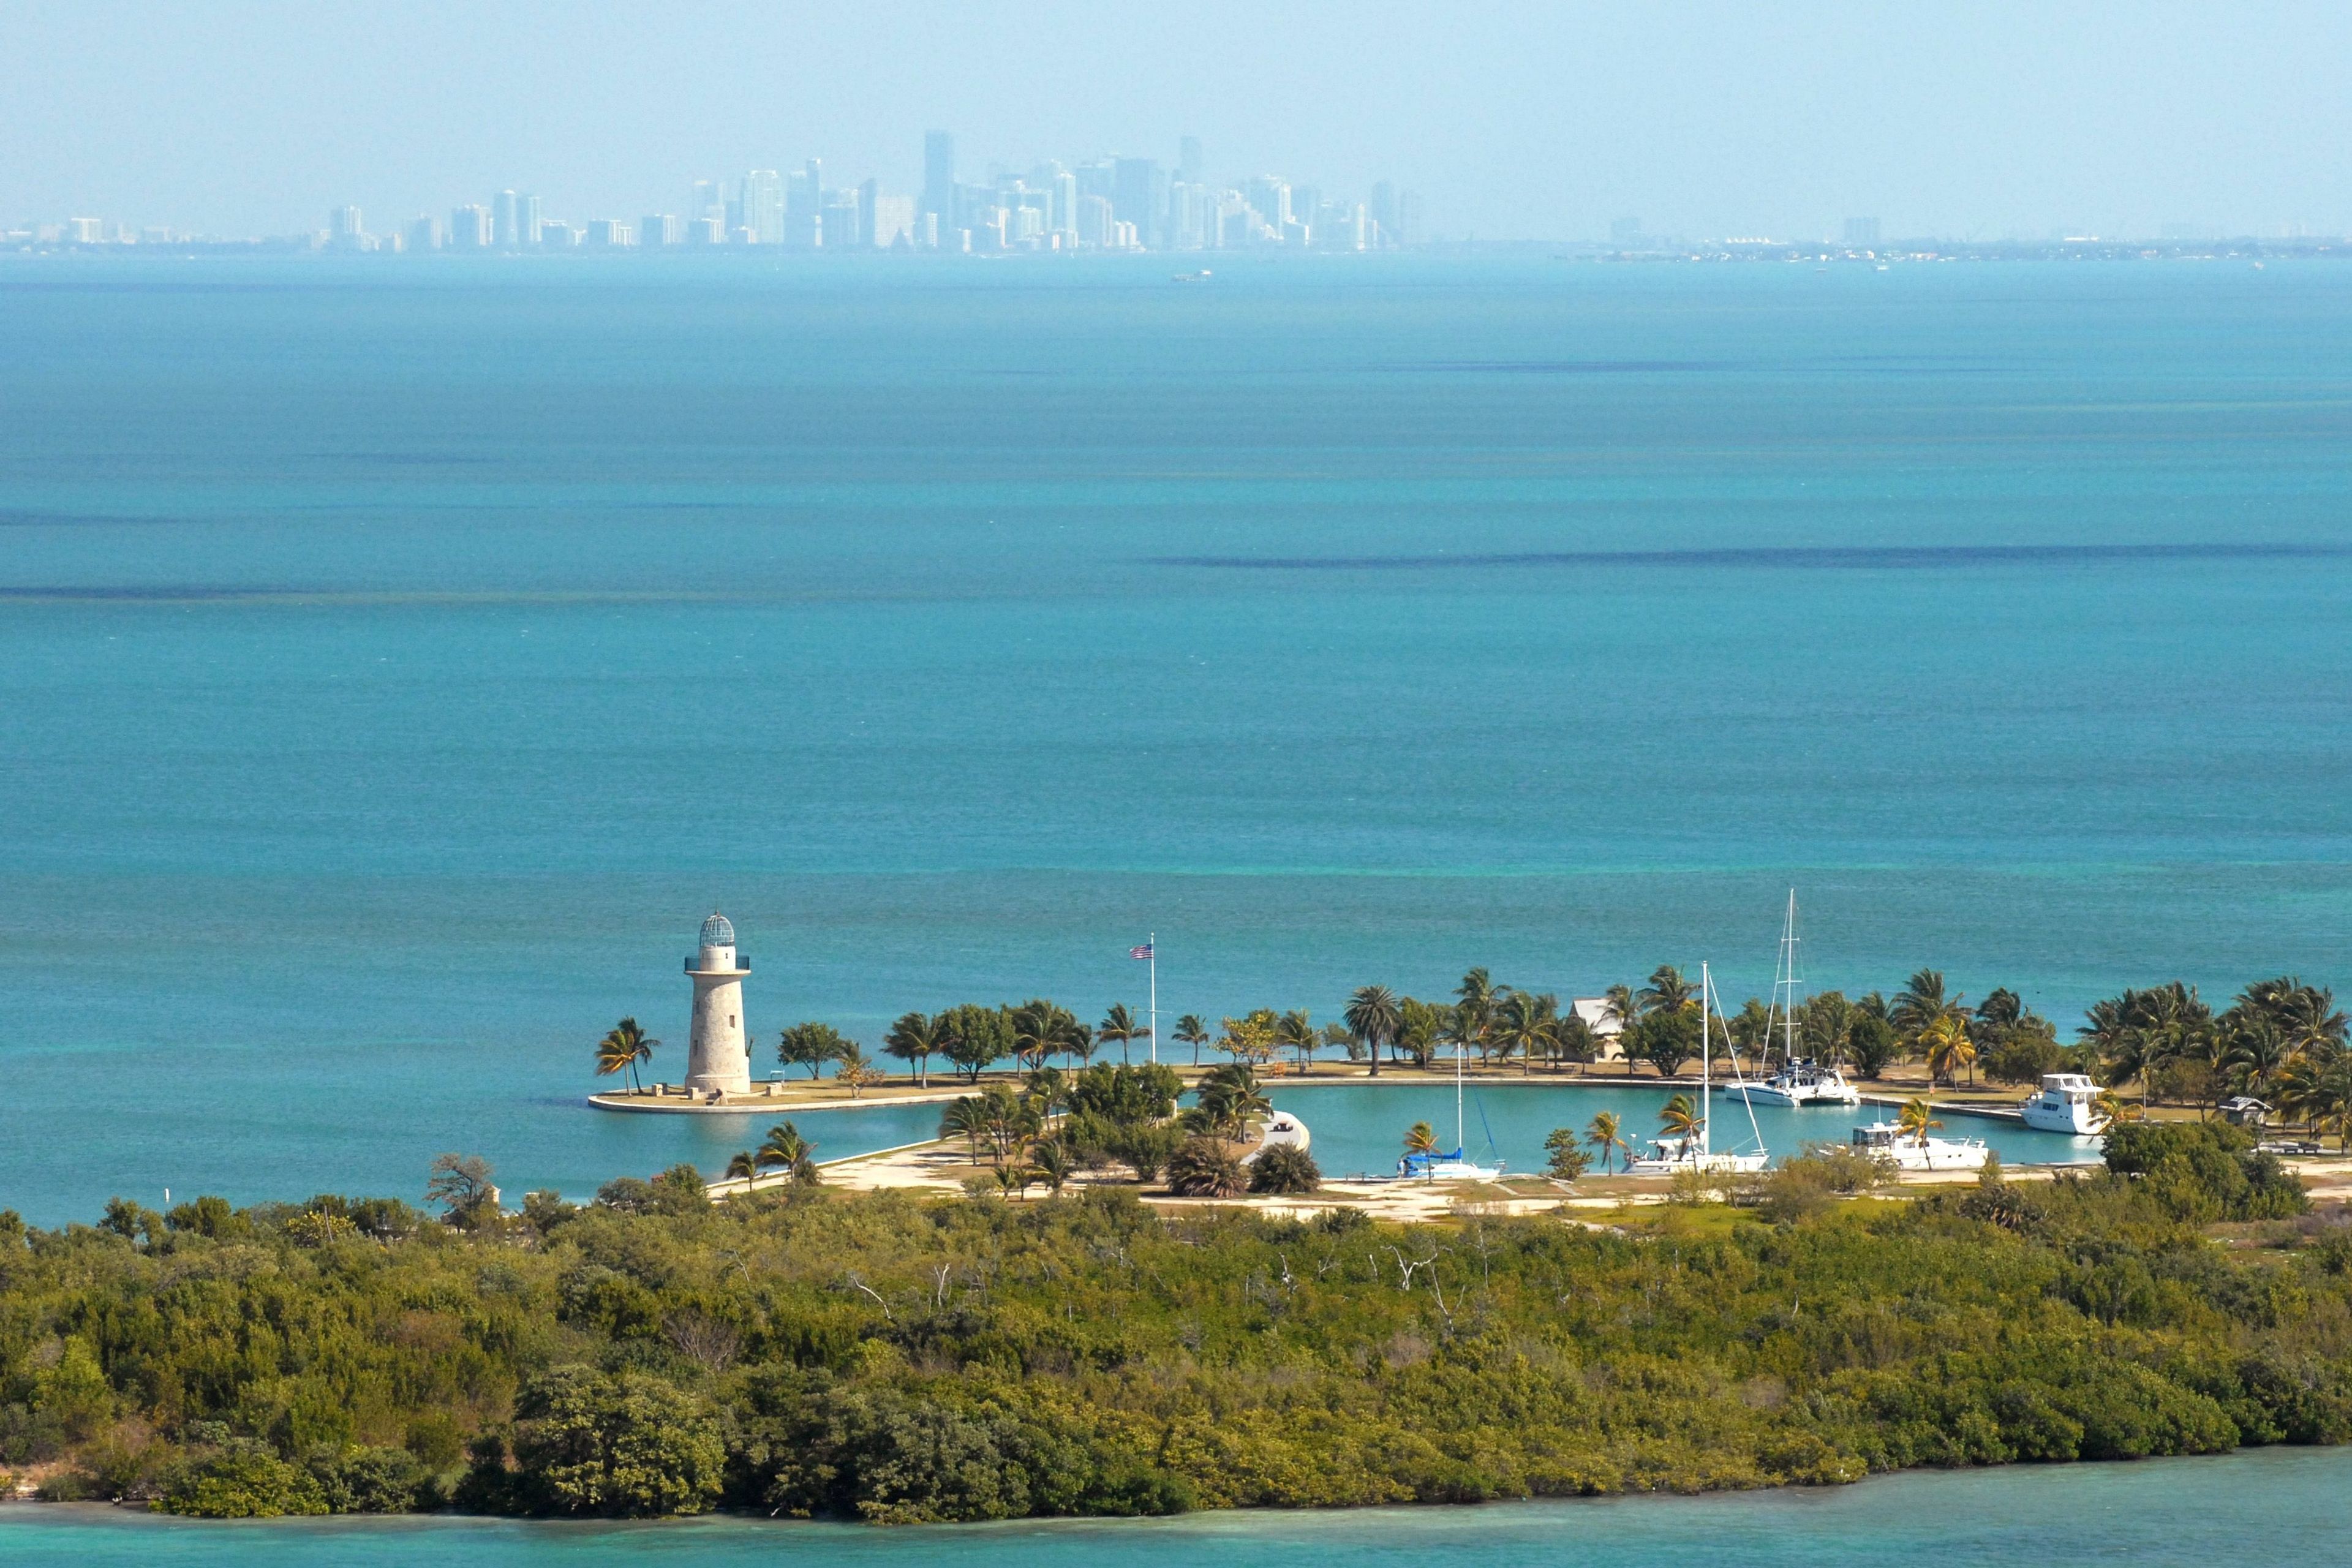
x=2081, y=1120
x=1713, y=1164
x=1796, y=1099
x=2066, y=1102
x=1449, y=1171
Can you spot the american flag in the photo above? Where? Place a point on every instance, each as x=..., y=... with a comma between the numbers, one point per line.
x=1143, y=951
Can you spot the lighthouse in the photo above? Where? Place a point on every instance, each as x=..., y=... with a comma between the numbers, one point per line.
x=717, y=1061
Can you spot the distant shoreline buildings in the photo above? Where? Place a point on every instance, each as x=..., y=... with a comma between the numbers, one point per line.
x=1113, y=204
x=1107, y=206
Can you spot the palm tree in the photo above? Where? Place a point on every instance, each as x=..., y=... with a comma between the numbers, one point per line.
x=784, y=1148
x=1191, y=1031
x=2258, y=1051
x=1949, y=1048
x=1203, y=1168
x=1421, y=1139
x=1573, y=1040
x=1920, y=1002
x=1680, y=1118
x=1912, y=1120
x=1605, y=1133
x=1042, y=1028
x=2173, y=1026
x=744, y=1167
x=965, y=1119
x=1750, y=1030
x=913, y=1039
x=1418, y=1028
x=1295, y=1031
x=1051, y=1160
x=2319, y=1091
x=1462, y=1029
x=1229, y=1095
x=1119, y=1027
x=1474, y=1012
x=2113, y=1107
x=623, y=1046
x=1372, y=1015
x=1525, y=1024
x=1666, y=992
x=1922, y=1014
x=2306, y=1014
x=1047, y=1089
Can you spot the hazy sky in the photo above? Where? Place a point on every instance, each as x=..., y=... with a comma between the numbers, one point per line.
x=1984, y=119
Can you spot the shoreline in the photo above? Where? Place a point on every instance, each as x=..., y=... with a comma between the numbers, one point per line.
x=16, y=1506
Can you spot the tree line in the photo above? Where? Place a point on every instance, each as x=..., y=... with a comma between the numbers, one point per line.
x=895, y=1358
x=2278, y=1038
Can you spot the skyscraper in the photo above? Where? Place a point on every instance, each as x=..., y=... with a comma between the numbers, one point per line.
x=528, y=222
x=344, y=227
x=1138, y=193
x=893, y=222
x=804, y=207
x=656, y=230
x=764, y=206
x=1862, y=232
x=469, y=228
x=939, y=176
x=1188, y=160
x=424, y=233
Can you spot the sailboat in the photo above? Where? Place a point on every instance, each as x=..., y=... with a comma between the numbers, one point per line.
x=1432, y=1167
x=1697, y=1151
x=1799, y=1081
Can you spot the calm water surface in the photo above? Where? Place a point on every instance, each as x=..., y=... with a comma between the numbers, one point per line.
x=397, y=662
x=2290, y=1506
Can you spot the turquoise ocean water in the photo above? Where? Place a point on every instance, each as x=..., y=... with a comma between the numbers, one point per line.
x=2273, y=1506
x=397, y=661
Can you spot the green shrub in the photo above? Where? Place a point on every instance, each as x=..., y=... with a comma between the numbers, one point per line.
x=622, y=1445
x=1285, y=1169
x=1204, y=1168
x=242, y=1478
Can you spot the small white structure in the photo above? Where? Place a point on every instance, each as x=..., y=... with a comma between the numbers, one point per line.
x=717, y=1059
x=1600, y=1016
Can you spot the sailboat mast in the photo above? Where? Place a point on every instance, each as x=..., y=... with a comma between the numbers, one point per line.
x=1705, y=1060
x=1457, y=1097
x=1788, y=1003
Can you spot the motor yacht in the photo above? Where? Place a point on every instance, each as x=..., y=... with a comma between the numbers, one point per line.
x=2066, y=1102
x=1890, y=1145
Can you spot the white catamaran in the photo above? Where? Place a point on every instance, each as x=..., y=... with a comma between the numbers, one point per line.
x=1697, y=1150
x=1799, y=1081
x=1432, y=1167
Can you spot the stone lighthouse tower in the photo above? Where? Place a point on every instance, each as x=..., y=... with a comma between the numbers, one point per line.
x=716, y=1057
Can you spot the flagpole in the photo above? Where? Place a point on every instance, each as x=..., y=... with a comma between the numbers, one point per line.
x=1152, y=943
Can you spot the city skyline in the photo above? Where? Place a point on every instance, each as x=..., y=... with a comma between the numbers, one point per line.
x=1104, y=203
x=1981, y=122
